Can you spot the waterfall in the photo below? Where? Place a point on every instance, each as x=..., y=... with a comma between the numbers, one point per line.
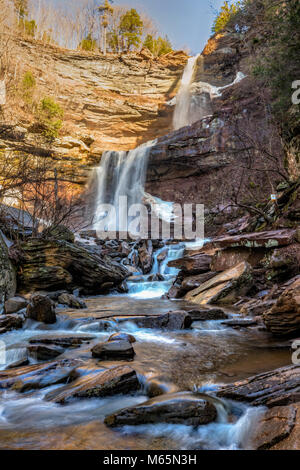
x=120, y=174
x=182, y=115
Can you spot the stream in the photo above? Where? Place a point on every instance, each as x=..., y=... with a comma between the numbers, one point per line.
x=194, y=360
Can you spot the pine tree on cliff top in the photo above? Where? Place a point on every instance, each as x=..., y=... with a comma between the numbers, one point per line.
x=131, y=28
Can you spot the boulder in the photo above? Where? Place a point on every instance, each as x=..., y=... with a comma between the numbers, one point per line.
x=185, y=409
x=58, y=264
x=39, y=376
x=283, y=319
x=146, y=256
x=269, y=239
x=162, y=255
x=240, y=323
x=194, y=264
x=275, y=426
x=177, y=320
x=10, y=322
x=206, y=314
x=223, y=288
x=122, y=337
x=177, y=291
x=121, y=379
x=41, y=352
x=114, y=350
x=192, y=282
x=41, y=309
x=15, y=304
x=71, y=301
x=7, y=273
x=276, y=388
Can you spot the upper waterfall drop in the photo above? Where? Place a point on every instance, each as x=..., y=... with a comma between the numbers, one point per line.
x=182, y=115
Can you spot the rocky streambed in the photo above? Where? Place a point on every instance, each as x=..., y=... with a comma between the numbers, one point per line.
x=127, y=373
x=157, y=356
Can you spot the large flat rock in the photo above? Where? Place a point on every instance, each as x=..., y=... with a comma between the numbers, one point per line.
x=275, y=388
x=268, y=239
x=38, y=376
x=185, y=409
x=121, y=379
x=223, y=288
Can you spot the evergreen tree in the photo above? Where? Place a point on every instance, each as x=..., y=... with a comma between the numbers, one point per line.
x=159, y=46
x=88, y=43
x=226, y=13
x=131, y=28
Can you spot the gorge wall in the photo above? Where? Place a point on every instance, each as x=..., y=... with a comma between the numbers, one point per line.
x=110, y=102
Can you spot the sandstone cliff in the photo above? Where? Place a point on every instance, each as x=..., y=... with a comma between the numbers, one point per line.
x=119, y=101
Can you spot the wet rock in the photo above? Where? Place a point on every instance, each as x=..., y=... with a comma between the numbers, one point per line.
x=123, y=287
x=8, y=274
x=275, y=388
x=175, y=409
x=146, y=256
x=41, y=309
x=155, y=278
x=207, y=314
x=194, y=264
x=121, y=379
x=256, y=307
x=162, y=255
x=283, y=319
x=15, y=304
x=240, y=323
x=270, y=239
x=177, y=320
x=10, y=322
x=122, y=337
x=71, y=301
x=225, y=287
x=155, y=389
x=114, y=350
x=275, y=426
x=62, y=341
x=56, y=264
x=192, y=282
x=41, y=352
x=39, y=376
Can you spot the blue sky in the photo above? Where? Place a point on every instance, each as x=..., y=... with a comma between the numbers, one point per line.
x=186, y=22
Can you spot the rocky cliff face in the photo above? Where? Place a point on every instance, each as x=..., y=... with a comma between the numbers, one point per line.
x=233, y=145
x=110, y=103
x=117, y=101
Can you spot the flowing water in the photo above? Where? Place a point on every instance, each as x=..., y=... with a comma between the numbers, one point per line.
x=120, y=174
x=182, y=114
x=199, y=359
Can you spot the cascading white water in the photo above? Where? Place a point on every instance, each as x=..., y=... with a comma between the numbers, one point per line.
x=182, y=116
x=120, y=174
